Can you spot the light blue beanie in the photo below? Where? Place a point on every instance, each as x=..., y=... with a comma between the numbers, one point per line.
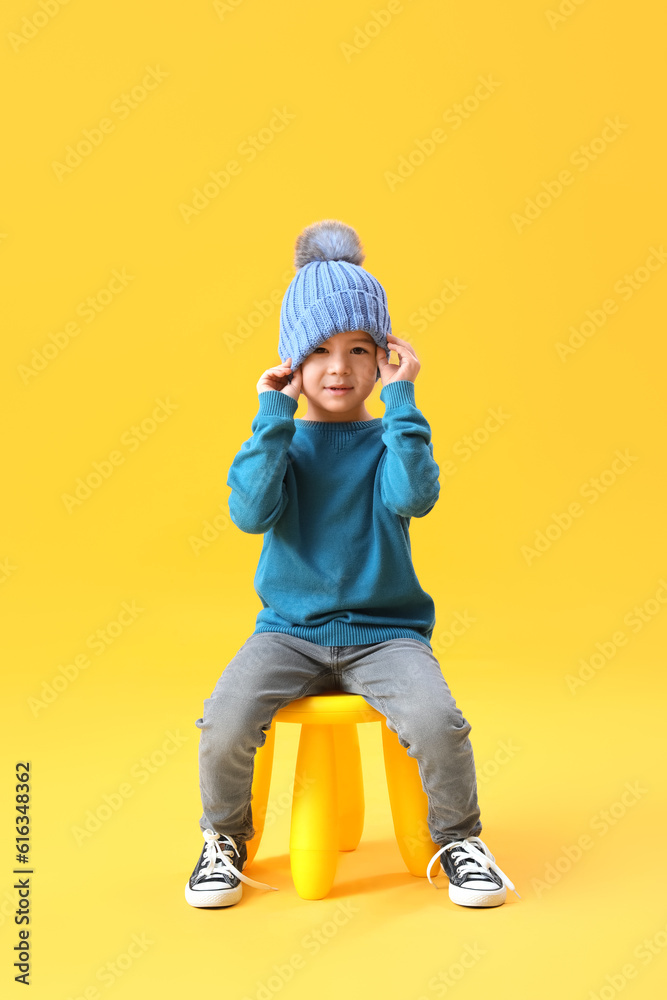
x=330, y=293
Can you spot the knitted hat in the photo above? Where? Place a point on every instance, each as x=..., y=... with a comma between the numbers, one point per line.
x=330, y=293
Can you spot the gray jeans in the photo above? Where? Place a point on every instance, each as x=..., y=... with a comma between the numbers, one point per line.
x=400, y=678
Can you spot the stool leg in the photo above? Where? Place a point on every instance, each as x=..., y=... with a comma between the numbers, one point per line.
x=314, y=825
x=409, y=805
x=350, y=786
x=261, y=782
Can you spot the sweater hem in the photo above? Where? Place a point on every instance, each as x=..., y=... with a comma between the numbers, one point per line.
x=337, y=633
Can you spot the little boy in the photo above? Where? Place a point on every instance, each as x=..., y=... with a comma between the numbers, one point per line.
x=342, y=609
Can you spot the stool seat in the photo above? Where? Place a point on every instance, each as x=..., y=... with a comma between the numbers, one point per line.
x=328, y=806
x=330, y=708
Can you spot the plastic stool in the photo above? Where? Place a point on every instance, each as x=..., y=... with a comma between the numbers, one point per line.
x=328, y=801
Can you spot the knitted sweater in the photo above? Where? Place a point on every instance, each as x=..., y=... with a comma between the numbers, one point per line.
x=334, y=502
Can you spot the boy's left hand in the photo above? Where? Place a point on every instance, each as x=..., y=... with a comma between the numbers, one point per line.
x=408, y=367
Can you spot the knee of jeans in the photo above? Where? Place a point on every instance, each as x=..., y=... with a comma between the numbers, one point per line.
x=229, y=713
x=440, y=724
x=456, y=723
x=230, y=732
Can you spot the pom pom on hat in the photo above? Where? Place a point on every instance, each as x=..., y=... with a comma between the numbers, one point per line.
x=328, y=240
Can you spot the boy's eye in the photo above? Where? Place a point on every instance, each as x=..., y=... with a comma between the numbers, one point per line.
x=362, y=349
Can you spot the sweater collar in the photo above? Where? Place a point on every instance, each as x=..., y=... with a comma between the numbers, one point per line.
x=336, y=427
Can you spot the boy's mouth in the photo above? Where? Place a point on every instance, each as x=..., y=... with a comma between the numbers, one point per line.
x=338, y=390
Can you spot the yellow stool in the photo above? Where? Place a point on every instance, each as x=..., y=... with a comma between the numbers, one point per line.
x=328, y=800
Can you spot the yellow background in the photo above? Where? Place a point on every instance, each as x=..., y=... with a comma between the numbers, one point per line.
x=362, y=99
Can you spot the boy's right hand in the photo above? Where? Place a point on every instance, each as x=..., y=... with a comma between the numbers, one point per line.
x=276, y=379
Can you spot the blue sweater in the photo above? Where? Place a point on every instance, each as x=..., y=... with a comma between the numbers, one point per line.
x=334, y=502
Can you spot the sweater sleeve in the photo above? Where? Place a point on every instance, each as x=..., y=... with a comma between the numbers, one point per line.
x=409, y=483
x=256, y=476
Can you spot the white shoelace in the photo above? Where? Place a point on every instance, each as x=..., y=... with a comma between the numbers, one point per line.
x=477, y=857
x=216, y=854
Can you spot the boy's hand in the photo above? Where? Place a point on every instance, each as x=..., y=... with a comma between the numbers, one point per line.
x=408, y=367
x=276, y=379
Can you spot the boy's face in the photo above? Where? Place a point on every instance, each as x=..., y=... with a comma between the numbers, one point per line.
x=345, y=359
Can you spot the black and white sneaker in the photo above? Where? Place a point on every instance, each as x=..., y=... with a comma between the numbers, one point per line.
x=215, y=881
x=474, y=877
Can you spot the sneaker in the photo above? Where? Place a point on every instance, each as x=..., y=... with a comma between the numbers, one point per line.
x=474, y=877
x=215, y=881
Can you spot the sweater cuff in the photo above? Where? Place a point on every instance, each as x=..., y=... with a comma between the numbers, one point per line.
x=276, y=404
x=396, y=394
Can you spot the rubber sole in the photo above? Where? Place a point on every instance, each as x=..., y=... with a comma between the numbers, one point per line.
x=477, y=897
x=212, y=898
